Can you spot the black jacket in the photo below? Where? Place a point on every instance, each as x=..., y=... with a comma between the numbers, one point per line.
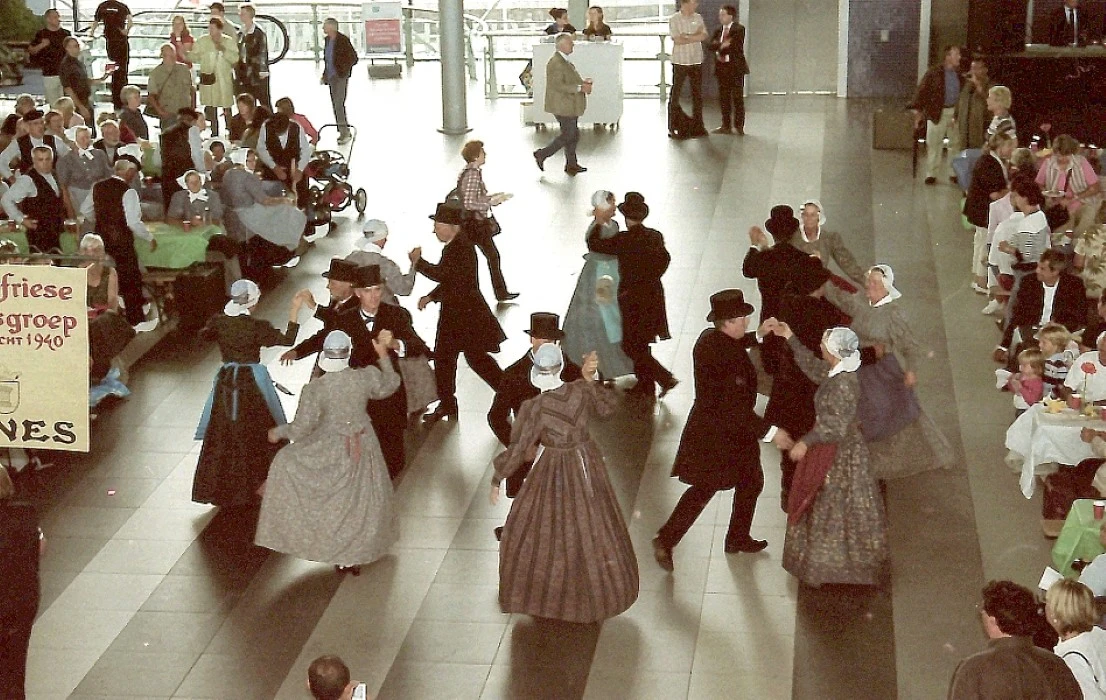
x=773, y=269
x=1069, y=307
x=345, y=56
x=329, y=316
x=642, y=261
x=735, y=52
x=720, y=444
x=465, y=322
x=930, y=97
x=987, y=177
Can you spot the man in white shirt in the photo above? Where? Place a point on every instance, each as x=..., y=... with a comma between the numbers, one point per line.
x=22, y=146
x=116, y=209
x=284, y=149
x=1091, y=384
x=688, y=33
x=369, y=251
x=37, y=202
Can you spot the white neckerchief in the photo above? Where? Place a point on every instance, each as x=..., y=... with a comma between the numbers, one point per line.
x=885, y=300
x=86, y=153
x=194, y=196
x=847, y=365
x=817, y=235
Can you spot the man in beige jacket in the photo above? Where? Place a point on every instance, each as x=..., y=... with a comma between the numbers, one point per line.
x=565, y=98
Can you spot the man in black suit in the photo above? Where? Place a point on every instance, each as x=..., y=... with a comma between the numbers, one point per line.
x=339, y=282
x=1069, y=25
x=465, y=324
x=774, y=268
x=642, y=260
x=730, y=68
x=1051, y=295
x=720, y=447
x=363, y=324
x=515, y=387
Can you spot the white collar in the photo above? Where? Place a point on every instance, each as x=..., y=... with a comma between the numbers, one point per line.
x=885, y=300
x=817, y=234
x=86, y=153
x=193, y=196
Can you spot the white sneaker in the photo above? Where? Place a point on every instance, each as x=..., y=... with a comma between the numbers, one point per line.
x=992, y=307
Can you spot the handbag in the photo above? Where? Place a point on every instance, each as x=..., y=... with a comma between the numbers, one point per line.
x=207, y=78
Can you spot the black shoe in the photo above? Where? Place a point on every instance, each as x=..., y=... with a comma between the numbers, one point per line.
x=663, y=555
x=575, y=169
x=438, y=414
x=355, y=570
x=509, y=296
x=498, y=533
x=667, y=387
x=749, y=546
x=931, y=181
x=739, y=130
x=540, y=161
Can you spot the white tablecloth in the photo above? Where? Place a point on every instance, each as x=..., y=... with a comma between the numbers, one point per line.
x=1039, y=440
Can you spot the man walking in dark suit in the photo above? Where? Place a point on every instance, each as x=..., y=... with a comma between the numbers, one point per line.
x=566, y=98
x=720, y=449
x=340, y=58
x=730, y=68
x=515, y=387
x=642, y=260
x=465, y=323
x=363, y=325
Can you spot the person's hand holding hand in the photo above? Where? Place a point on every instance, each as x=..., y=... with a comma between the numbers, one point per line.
x=590, y=367
x=415, y=255
x=382, y=343
x=288, y=358
x=910, y=379
x=757, y=237
x=767, y=326
x=423, y=301
x=797, y=451
x=782, y=330
x=782, y=439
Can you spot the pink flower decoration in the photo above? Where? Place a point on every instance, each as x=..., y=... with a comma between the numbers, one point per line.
x=1088, y=368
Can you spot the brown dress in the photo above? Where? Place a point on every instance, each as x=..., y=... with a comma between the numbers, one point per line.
x=565, y=552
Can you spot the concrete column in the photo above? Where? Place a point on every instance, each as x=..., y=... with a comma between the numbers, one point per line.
x=451, y=37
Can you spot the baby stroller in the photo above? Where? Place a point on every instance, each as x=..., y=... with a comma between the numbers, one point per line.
x=329, y=190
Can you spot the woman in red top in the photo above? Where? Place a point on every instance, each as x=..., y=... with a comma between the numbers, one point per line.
x=181, y=39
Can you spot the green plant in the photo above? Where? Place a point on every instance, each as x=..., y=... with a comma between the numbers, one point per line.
x=17, y=22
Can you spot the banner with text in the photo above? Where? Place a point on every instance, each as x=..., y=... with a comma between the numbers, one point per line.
x=382, y=26
x=43, y=358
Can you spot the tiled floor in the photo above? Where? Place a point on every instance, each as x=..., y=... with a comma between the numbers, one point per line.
x=148, y=595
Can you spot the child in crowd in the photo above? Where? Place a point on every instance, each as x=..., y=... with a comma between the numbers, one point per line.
x=1059, y=352
x=130, y=116
x=1028, y=384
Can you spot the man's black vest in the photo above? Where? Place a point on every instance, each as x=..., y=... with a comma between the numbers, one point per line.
x=46, y=208
x=111, y=219
x=26, y=163
x=284, y=155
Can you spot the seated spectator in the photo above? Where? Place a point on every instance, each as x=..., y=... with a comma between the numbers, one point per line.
x=1028, y=383
x=285, y=106
x=110, y=138
x=1059, y=352
x=68, y=111
x=217, y=162
x=81, y=168
x=284, y=152
x=328, y=679
x=1087, y=376
x=19, y=151
x=999, y=100
x=194, y=201
x=1049, y=295
x=181, y=150
x=12, y=123
x=246, y=125
x=1011, y=666
x=1071, y=182
x=130, y=116
x=272, y=227
x=103, y=281
x=54, y=128
x=1070, y=609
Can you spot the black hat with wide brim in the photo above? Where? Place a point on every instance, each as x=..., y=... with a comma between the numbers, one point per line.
x=546, y=326
x=727, y=304
x=448, y=214
x=782, y=223
x=634, y=206
x=341, y=271
x=367, y=276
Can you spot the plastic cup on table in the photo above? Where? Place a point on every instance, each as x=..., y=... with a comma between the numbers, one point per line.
x=1077, y=402
x=1099, y=509
x=186, y=225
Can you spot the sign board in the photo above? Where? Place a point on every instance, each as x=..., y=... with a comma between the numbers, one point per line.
x=43, y=358
x=382, y=26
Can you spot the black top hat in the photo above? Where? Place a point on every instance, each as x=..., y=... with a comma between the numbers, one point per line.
x=727, y=304
x=782, y=223
x=447, y=213
x=33, y=115
x=341, y=271
x=545, y=326
x=367, y=276
x=634, y=207
x=808, y=277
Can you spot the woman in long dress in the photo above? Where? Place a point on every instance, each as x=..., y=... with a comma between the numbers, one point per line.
x=243, y=406
x=328, y=497
x=902, y=439
x=593, y=320
x=836, y=530
x=565, y=552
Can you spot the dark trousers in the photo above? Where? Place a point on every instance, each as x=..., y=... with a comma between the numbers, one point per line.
x=15, y=638
x=696, y=498
x=119, y=53
x=694, y=76
x=130, y=277
x=46, y=237
x=445, y=372
x=338, y=88
x=567, y=139
x=787, y=475
x=479, y=230
x=646, y=368
x=731, y=93
x=389, y=424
